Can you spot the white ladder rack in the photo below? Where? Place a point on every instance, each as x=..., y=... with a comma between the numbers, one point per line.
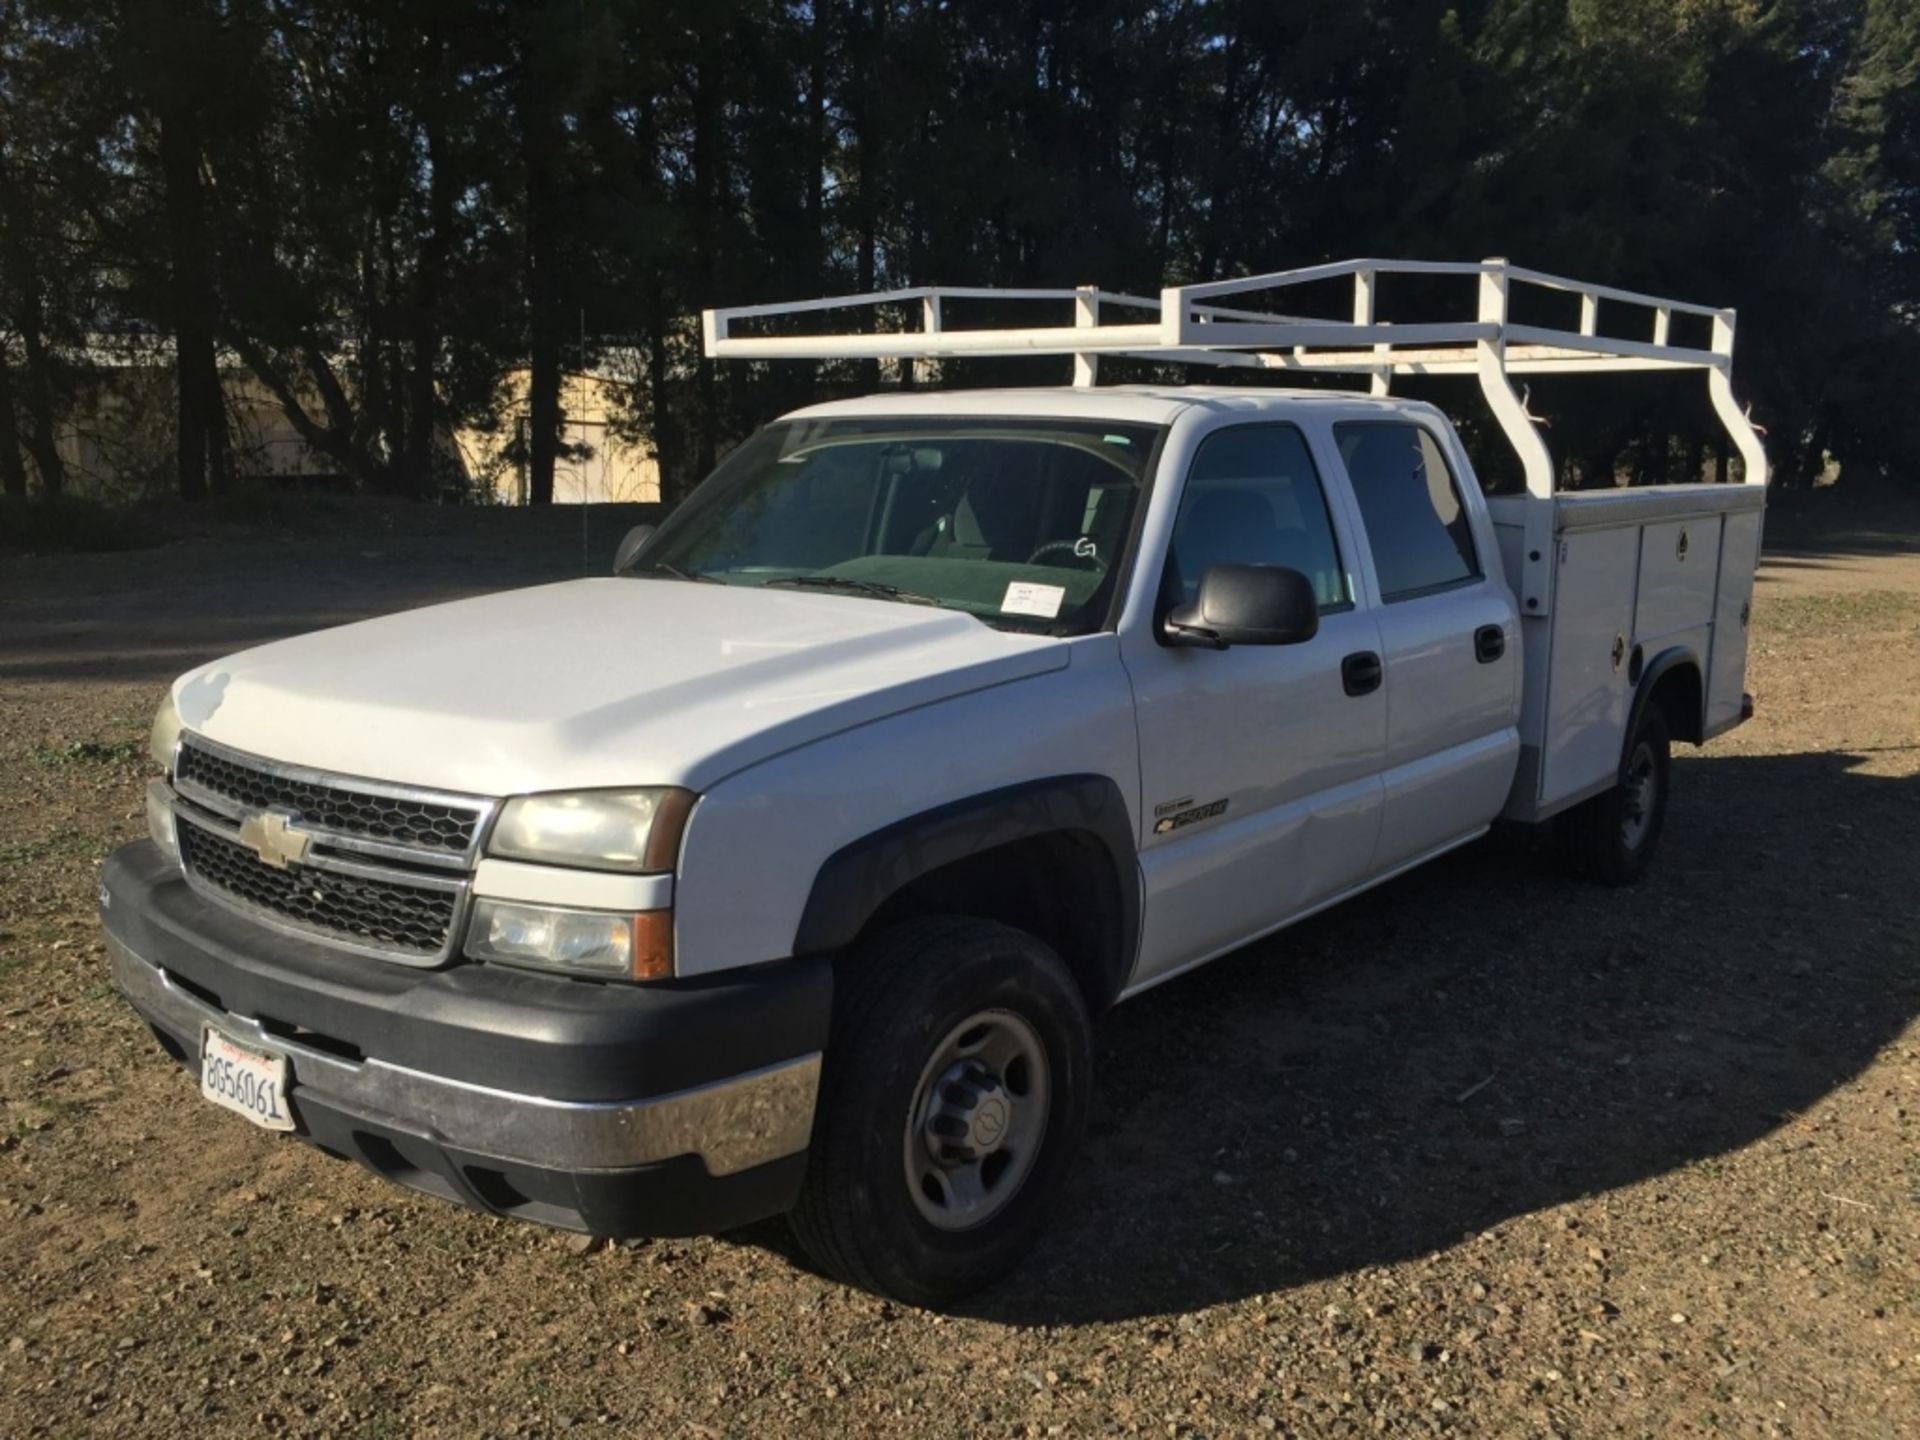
x=1185, y=325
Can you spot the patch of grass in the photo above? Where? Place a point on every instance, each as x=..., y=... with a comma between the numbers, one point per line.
x=67, y=524
x=88, y=752
x=1859, y=609
x=22, y=852
x=64, y=845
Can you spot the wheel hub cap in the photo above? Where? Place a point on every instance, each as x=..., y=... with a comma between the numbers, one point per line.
x=969, y=1116
x=977, y=1120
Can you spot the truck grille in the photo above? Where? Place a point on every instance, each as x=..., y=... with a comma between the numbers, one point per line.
x=381, y=914
x=434, y=825
x=386, y=867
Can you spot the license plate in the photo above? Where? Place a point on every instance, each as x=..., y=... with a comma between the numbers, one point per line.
x=249, y=1082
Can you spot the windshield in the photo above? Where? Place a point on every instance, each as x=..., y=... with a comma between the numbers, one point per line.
x=1019, y=522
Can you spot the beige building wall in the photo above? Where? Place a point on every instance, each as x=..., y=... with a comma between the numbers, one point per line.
x=117, y=443
x=608, y=471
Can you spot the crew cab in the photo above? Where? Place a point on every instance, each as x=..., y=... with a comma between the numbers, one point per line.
x=786, y=869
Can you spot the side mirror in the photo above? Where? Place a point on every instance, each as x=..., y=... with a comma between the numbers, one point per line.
x=1247, y=605
x=630, y=547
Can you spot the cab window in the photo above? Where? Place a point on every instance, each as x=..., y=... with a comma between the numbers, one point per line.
x=1254, y=498
x=1021, y=522
x=1417, y=525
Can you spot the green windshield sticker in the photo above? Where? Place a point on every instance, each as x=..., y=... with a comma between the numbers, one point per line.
x=1116, y=440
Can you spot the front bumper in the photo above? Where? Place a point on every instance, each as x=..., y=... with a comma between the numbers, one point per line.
x=613, y=1109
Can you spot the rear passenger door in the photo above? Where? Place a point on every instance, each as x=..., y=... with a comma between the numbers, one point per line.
x=1448, y=639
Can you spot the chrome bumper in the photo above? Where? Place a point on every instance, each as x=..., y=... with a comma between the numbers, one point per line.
x=732, y=1124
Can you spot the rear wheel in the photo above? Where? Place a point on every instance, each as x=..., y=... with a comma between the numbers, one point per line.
x=1611, y=838
x=953, y=1101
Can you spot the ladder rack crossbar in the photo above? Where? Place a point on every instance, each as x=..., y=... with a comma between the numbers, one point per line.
x=1437, y=360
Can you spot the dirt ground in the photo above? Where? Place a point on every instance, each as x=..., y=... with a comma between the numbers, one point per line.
x=1488, y=1153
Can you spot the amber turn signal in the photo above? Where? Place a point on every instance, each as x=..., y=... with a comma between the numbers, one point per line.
x=653, y=945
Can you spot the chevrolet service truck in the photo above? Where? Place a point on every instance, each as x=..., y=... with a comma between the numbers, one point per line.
x=786, y=869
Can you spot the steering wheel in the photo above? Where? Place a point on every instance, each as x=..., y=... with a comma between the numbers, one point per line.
x=1082, y=550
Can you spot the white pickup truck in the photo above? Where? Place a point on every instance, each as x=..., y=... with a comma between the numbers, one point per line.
x=786, y=869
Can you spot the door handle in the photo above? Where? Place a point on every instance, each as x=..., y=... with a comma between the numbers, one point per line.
x=1361, y=673
x=1489, y=643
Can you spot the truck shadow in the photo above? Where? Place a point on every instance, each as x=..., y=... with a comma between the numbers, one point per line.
x=1483, y=1039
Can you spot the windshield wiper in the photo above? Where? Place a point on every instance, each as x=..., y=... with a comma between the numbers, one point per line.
x=665, y=567
x=876, y=588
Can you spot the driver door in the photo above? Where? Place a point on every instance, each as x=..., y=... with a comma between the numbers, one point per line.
x=1259, y=764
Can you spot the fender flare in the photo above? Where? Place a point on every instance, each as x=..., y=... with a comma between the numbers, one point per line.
x=857, y=879
x=1673, y=658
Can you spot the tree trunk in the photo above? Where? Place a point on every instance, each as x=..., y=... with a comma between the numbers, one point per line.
x=387, y=392
x=817, y=144
x=196, y=372
x=1659, y=458
x=22, y=273
x=540, y=155
x=666, y=433
x=13, y=469
x=707, y=187
x=1813, y=459
x=660, y=417
x=543, y=397
x=419, y=465
x=866, y=173
x=42, y=439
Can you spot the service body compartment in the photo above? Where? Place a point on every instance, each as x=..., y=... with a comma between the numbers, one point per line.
x=1588, y=696
x=1733, y=607
x=1636, y=573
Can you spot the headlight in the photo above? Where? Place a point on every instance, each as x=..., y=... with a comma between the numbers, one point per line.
x=160, y=819
x=595, y=829
x=614, y=945
x=164, y=735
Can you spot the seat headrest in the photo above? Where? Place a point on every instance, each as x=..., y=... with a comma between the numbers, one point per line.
x=1225, y=527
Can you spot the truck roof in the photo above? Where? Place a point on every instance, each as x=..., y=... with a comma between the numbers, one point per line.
x=1150, y=404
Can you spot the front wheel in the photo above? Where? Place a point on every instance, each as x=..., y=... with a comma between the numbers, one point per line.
x=954, y=1098
x=1611, y=838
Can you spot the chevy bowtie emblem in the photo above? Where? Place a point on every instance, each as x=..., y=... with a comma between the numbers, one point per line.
x=272, y=836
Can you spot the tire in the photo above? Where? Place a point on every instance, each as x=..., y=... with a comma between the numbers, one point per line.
x=904, y=1000
x=1611, y=838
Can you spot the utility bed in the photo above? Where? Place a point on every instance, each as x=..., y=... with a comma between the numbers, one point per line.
x=1637, y=575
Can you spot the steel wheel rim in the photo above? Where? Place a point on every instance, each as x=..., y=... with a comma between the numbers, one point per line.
x=977, y=1121
x=1641, y=789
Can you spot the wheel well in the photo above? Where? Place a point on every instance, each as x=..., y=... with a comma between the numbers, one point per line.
x=1059, y=887
x=1678, y=693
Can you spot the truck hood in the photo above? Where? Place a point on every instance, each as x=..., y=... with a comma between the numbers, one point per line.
x=589, y=683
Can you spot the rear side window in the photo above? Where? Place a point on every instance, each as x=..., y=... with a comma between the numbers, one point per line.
x=1410, y=503
x=1254, y=498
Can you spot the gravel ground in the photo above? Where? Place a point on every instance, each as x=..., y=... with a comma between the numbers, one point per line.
x=1488, y=1153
